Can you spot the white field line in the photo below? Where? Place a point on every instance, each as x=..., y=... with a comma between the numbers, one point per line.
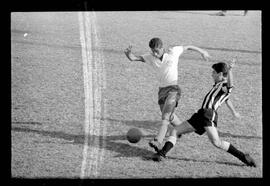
x=87, y=74
x=92, y=165
x=99, y=84
x=94, y=81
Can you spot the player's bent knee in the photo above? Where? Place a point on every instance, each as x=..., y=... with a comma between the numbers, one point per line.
x=216, y=143
x=166, y=116
x=221, y=144
x=165, y=122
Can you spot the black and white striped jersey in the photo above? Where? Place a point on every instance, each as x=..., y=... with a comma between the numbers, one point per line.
x=216, y=96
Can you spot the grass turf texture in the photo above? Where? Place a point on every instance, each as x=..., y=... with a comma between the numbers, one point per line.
x=48, y=95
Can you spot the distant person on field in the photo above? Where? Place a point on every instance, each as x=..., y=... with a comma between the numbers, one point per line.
x=165, y=63
x=223, y=13
x=205, y=119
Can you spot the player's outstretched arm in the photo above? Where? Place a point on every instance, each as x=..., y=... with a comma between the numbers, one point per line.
x=231, y=64
x=204, y=53
x=131, y=56
x=232, y=109
x=230, y=84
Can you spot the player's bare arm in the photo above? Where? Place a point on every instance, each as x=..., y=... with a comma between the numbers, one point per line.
x=231, y=64
x=131, y=56
x=204, y=53
x=232, y=109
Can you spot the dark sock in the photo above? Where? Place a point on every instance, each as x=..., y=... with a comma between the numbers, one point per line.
x=166, y=148
x=237, y=153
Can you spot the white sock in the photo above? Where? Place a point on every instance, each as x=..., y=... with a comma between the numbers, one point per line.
x=172, y=139
x=225, y=145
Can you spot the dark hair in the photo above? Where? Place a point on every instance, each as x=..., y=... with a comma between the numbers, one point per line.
x=221, y=67
x=155, y=43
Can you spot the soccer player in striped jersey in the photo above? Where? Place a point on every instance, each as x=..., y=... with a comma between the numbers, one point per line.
x=205, y=120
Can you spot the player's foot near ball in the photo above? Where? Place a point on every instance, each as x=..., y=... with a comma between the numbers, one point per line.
x=154, y=144
x=158, y=157
x=248, y=160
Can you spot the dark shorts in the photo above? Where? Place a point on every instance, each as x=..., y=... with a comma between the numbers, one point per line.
x=164, y=92
x=203, y=118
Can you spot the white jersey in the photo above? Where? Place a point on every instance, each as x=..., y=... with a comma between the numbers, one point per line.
x=167, y=69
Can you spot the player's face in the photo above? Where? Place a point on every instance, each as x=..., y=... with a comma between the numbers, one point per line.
x=217, y=77
x=158, y=52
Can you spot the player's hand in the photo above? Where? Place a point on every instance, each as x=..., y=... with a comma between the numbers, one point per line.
x=232, y=63
x=128, y=50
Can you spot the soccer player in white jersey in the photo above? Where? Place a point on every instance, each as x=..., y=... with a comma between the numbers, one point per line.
x=205, y=119
x=165, y=62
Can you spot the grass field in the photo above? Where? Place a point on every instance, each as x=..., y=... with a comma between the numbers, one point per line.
x=49, y=100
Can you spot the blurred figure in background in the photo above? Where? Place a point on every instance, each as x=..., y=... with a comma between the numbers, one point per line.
x=223, y=13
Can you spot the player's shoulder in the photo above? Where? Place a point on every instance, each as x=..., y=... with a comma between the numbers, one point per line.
x=175, y=48
x=226, y=87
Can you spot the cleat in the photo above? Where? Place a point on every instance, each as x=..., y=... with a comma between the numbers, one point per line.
x=158, y=157
x=248, y=160
x=154, y=144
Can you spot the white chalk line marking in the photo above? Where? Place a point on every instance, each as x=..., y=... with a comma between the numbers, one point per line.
x=99, y=85
x=93, y=154
x=94, y=82
x=87, y=75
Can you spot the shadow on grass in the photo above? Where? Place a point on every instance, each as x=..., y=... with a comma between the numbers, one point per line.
x=149, y=158
x=26, y=123
x=115, y=143
x=205, y=161
x=226, y=134
x=154, y=125
x=111, y=143
x=214, y=13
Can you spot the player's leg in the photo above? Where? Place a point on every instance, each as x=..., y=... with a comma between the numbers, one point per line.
x=175, y=134
x=213, y=136
x=167, y=113
x=177, y=131
x=226, y=146
x=190, y=125
x=175, y=120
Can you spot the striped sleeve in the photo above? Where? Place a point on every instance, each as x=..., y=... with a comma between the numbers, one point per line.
x=228, y=93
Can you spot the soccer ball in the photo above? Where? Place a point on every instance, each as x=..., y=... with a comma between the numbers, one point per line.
x=134, y=135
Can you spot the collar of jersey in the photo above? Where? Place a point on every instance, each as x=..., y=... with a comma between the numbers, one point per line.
x=221, y=82
x=161, y=61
